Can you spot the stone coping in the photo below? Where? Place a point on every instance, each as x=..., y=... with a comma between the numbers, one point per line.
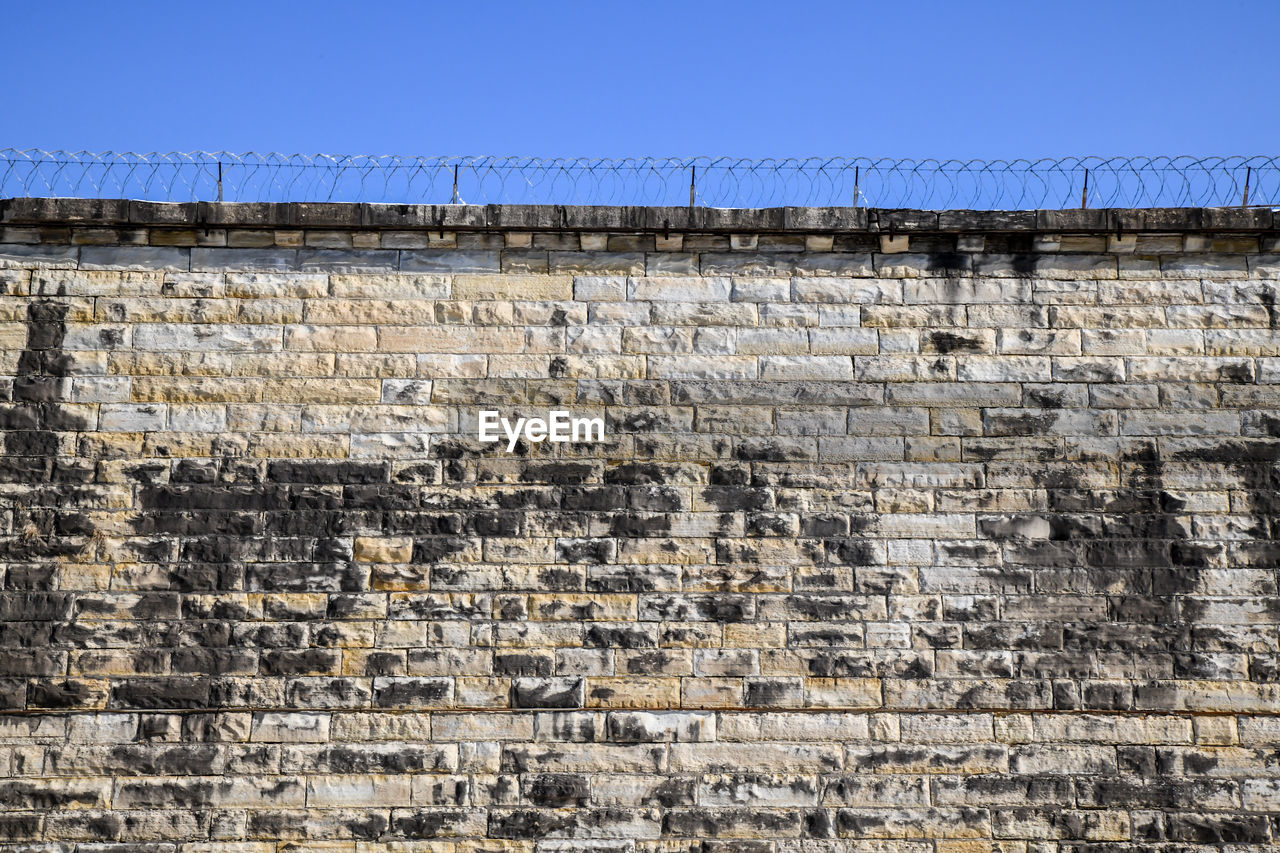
x=463, y=217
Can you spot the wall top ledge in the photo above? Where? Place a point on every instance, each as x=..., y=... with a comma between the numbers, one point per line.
x=515, y=217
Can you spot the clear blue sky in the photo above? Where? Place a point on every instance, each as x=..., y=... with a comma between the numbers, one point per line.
x=745, y=78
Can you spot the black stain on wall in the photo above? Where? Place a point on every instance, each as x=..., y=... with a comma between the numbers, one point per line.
x=1136, y=548
x=47, y=519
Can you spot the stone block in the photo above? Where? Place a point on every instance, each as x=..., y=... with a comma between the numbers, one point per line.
x=290, y=727
x=678, y=289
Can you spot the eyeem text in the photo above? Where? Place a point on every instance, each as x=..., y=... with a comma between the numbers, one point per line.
x=558, y=426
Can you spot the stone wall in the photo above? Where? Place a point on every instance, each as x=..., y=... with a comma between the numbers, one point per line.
x=911, y=532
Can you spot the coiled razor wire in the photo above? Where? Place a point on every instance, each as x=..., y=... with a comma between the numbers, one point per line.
x=1069, y=182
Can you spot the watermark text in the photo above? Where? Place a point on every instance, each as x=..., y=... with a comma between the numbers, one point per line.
x=557, y=426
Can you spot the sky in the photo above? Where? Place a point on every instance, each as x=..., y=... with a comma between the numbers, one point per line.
x=609, y=79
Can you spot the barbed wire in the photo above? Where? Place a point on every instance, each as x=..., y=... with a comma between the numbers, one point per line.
x=702, y=181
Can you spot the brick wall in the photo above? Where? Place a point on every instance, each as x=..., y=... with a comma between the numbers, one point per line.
x=910, y=533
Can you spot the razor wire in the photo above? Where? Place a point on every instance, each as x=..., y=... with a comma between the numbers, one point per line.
x=721, y=182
